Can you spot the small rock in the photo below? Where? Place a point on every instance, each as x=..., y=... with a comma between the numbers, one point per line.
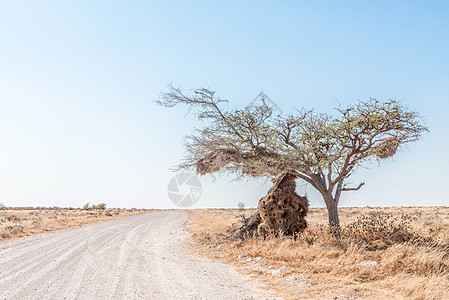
x=278, y=271
x=259, y=258
x=369, y=263
x=249, y=259
x=242, y=256
x=297, y=277
x=219, y=247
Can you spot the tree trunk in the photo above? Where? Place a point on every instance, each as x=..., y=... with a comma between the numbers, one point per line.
x=332, y=210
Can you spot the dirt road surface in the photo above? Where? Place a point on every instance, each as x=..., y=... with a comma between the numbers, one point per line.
x=147, y=256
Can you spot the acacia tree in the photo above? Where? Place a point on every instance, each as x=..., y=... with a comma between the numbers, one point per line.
x=318, y=148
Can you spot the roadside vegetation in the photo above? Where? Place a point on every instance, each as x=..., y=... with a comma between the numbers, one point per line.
x=400, y=253
x=19, y=222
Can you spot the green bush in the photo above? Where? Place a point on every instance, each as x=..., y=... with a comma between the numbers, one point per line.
x=101, y=206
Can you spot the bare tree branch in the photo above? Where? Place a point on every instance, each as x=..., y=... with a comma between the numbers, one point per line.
x=345, y=189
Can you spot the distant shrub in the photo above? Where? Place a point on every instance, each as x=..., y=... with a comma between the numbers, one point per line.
x=36, y=223
x=86, y=206
x=101, y=206
x=380, y=230
x=4, y=234
x=375, y=231
x=13, y=218
x=14, y=229
x=2, y=206
x=241, y=205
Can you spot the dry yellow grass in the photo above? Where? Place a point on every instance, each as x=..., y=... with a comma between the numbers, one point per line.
x=317, y=266
x=19, y=223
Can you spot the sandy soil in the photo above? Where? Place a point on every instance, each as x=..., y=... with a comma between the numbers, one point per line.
x=146, y=256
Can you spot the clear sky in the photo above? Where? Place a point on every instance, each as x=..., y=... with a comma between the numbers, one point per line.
x=78, y=80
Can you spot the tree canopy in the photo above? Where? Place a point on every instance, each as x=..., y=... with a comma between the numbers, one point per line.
x=319, y=148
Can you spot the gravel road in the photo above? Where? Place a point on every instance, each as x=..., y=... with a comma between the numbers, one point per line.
x=147, y=256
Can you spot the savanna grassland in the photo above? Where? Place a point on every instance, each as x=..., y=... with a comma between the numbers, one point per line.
x=24, y=222
x=399, y=253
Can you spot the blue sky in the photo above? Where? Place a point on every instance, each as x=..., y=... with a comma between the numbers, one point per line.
x=78, y=80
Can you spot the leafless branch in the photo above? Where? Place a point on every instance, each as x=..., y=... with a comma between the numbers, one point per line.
x=345, y=189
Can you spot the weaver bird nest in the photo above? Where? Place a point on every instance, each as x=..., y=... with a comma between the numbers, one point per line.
x=388, y=147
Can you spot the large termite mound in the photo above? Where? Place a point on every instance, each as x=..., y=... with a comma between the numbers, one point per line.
x=282, y=211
